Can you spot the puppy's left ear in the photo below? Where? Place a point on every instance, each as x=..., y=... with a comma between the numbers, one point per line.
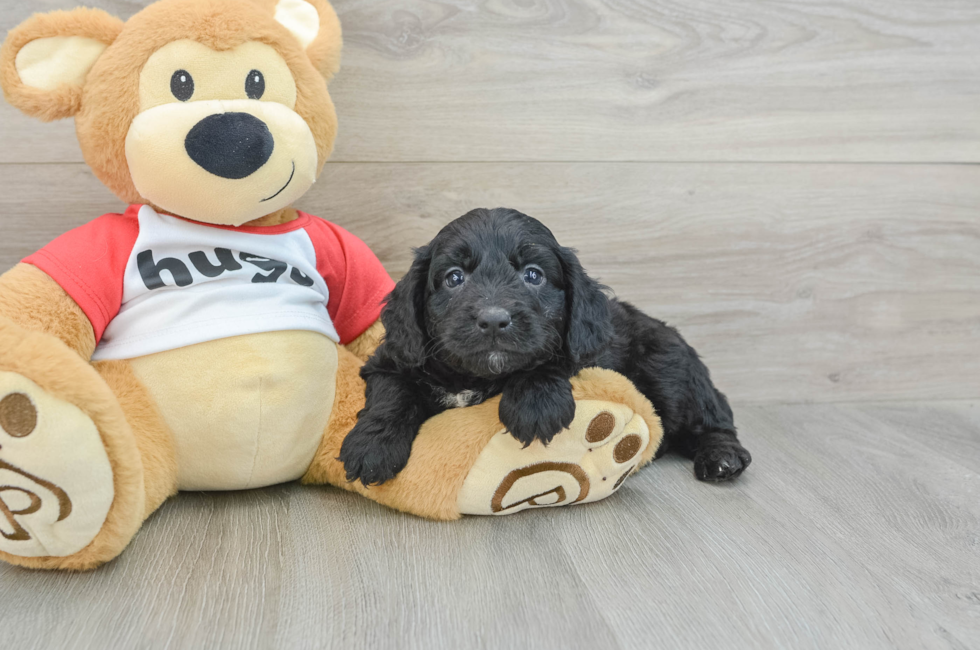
x=589, y=328
x=403, y=315
x=315, y=25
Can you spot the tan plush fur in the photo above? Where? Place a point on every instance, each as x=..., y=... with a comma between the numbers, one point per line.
x=59, y=371
x=348, y=401
x=66, y=100
x=324, y=51
x=32, y=300
x=153, y=438
x=277, y=218
x=110, y=100
x=245, y=411
x=44, y=335
x=602, y=384
x=364, y=345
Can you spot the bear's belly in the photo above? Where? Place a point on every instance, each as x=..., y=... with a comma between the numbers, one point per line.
x=245, y=411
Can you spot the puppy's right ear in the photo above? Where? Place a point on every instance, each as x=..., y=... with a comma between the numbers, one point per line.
x=45, y=59
x=404, y=314
x=589, y=326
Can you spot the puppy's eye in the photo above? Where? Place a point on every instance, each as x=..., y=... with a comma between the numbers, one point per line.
x=454, y=278
x=254, y=85
x=182, y=85
x=533, y=275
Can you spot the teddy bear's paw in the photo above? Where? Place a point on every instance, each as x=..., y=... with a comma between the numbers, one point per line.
x=55, y=478
x=586, y=462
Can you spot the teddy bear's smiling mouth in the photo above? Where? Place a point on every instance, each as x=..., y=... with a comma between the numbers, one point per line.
x=291, y=174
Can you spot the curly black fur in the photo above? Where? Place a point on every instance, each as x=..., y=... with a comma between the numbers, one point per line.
x=470, y=320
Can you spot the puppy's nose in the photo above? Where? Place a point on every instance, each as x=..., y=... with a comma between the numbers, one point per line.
x=230, y=145
x=493, y=320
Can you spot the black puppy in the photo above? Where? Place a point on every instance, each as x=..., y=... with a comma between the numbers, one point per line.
x=494, y=305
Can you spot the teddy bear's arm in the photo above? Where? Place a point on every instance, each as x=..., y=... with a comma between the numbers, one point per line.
x=364, y=345
x=32, y=300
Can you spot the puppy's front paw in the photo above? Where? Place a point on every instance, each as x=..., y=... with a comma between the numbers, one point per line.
x=374, y=451
x=537, y=411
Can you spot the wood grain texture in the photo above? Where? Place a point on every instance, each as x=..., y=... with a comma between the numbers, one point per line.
x=795, y=282
x=651, y=80
x=856, y=527
x=857, y=524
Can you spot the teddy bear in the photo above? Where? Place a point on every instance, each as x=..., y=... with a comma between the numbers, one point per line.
x=210, y=336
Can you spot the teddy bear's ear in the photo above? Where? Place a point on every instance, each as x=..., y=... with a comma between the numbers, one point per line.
x=315, y=25
x=45, y=59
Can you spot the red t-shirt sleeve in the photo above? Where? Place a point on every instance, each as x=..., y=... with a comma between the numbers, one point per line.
x=89, y=263
x=357, y=281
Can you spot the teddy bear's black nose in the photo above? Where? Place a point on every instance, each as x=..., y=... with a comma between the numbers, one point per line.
x=230, y=145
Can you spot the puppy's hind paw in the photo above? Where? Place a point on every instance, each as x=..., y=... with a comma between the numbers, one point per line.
x=721, y=462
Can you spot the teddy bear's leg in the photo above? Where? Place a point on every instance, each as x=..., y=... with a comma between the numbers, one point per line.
x=430, y=482
x=348, y=400
x=73, y=490
x=154, y=440
x=614, y=433
x=465, y=462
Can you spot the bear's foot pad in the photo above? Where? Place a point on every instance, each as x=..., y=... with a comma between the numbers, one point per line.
x=55, y=478
x=586, y=462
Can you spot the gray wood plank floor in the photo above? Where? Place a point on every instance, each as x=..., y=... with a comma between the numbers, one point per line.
x=782, y=179
x=858, y=526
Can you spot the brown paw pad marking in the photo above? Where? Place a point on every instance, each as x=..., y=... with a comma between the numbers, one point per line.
x=627, y=448
x=557, y=494
x=622, y=478
x=601, y=427
x=18, y=417
x=20, y=533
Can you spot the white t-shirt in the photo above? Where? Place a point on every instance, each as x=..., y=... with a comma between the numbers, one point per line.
x=184, y=282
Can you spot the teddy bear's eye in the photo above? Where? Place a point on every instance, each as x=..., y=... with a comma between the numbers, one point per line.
x=182, y=85
x=254, y=84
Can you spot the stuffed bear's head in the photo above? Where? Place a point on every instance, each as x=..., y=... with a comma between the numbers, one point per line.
x=213, y=110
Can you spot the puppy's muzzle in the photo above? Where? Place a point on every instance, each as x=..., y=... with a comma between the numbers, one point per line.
x=230, y=145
